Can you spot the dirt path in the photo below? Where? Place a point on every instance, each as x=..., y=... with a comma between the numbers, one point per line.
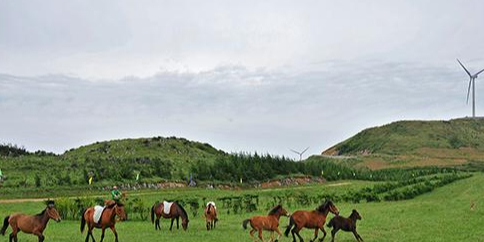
x=22, y=200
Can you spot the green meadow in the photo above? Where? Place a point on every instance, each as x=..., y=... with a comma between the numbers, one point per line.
x=443, y=214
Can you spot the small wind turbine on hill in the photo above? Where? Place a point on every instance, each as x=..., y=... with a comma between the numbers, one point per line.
x=300, y=153
x=472, y=81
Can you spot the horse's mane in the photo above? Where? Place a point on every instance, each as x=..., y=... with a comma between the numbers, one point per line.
x=41, y=213
x=323, y=206
x=182, y=210
x=111, y=205
x=275, y=209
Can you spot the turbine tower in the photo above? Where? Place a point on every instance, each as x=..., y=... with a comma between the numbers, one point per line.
x=300, y=153
x=472, y=81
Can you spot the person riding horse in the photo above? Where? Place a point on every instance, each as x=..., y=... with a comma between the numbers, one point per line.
x=116, y=194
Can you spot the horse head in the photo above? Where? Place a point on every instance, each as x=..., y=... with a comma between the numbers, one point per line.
x=52, y=212
x=119, y=210
x=332, y=207
x=328, y=205
x=355, y=214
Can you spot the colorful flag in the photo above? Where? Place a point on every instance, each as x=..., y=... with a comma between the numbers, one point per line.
x=90, y=180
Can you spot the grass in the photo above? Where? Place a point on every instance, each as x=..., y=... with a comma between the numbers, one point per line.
x=442, y=215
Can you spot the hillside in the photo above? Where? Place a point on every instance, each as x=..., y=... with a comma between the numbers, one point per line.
x=416, y=143
x=178, y=150
x=117, y=160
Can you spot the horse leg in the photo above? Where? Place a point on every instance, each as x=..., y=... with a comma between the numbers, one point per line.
x=102, y=233
x=252, y=231
x=296, y=231
x=315, y=235
x=207, y=224
x=41, y=237
x=260, y=235
x=333, y=233
x=279, y=234
x=91, y=227
x=115, y=233
x=324, y=234
x=87, y=236
x=171, y=226
x=357, y=236
x=177, y=226
x=13, y=235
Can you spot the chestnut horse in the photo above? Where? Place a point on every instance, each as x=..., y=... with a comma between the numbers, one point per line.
x=107, y=220
x=345, y=224
x=210, y=215
x=30, y=224
x=311, y=220
x=176, y=211
x=269, y=222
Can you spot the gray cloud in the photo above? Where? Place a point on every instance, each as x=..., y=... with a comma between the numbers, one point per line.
x=232, y=107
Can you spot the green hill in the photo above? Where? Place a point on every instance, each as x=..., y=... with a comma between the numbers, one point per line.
x=155, y=159
x=416, y=143
x=178, y=150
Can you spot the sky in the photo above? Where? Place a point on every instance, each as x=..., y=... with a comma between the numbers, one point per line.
x=254, y=76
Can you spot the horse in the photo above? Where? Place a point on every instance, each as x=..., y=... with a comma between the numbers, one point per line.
x=210, y=215
x=176, y=211
x=107, y=220
x=269, y=222
x=30, y=224
x=346, y=224
x=310, y=219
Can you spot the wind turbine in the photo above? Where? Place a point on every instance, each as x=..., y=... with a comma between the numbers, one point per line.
x=300, y=153
x=472, y=80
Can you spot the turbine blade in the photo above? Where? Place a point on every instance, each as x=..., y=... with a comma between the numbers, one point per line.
x=304, y=150
x=469, y=90
x=468, y=73
x=295, y=151
x=478, y=73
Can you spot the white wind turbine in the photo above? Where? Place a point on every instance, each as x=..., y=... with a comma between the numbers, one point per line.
x=472, y=81
x=300, y=153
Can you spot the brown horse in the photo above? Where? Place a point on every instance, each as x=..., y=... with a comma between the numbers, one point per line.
x=107, y=220
x=30, y=224
x=346, y=224
x=210, y=215
x=311, y=220
x=176, y=211
x=269, y=222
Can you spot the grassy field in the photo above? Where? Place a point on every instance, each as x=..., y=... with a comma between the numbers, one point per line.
x=442, y=215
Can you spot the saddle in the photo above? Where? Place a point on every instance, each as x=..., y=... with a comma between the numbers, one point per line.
x=167, y=207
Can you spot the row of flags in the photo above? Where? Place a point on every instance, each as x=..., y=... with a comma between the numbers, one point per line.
x=91, y=178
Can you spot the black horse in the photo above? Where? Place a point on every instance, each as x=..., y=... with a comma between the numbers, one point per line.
x=346, y=224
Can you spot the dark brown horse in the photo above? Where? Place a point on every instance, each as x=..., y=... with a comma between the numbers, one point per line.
x=30, y=224
x=346, y=224
x=210, y=215
x=176, y=211
x=107, y=220
x=269, y=222
x=311, y=220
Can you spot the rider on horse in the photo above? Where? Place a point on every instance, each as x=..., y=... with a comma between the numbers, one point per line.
x=116, y=194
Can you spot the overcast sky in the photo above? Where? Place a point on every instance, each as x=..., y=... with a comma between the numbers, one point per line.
x=264, y=76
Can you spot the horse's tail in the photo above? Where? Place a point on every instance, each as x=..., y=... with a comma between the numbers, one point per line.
x=244, y=224
x=289, y=226
x=83, y=221
x=5, y=225
x=153, y=214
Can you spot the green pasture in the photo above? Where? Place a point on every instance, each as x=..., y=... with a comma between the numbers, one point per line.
x=441, y=215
